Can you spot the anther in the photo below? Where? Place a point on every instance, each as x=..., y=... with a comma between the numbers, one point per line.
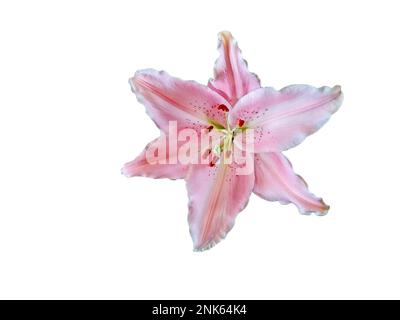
x=241, y=123
x=213, y=161
x=206, y=153
x=223, y=108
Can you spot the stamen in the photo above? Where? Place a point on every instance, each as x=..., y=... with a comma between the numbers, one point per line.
x=223, y=108
x=210, y=128
x=206, y=153
x=213, y=161
x=241, y=123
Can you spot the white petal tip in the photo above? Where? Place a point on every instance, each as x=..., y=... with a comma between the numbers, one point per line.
x=224, y=34
x=337, y=90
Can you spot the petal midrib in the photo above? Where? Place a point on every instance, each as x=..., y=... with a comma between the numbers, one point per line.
x=295, y=111
x=290, y=190
x=180, y=106
x=212, y=200
x=232, y=84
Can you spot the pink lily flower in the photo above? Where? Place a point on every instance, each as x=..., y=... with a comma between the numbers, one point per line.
x=233, y=103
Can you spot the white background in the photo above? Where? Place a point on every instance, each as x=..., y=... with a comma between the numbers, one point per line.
x=72, y=227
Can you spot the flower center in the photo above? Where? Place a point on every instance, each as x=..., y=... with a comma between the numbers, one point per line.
x=225, y=147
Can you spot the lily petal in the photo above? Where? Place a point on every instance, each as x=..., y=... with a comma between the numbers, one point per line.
x=167, y=98
x=283, y=119
x=216, y=196
x=232, y=79
x=141, y=166
x=276, y=181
